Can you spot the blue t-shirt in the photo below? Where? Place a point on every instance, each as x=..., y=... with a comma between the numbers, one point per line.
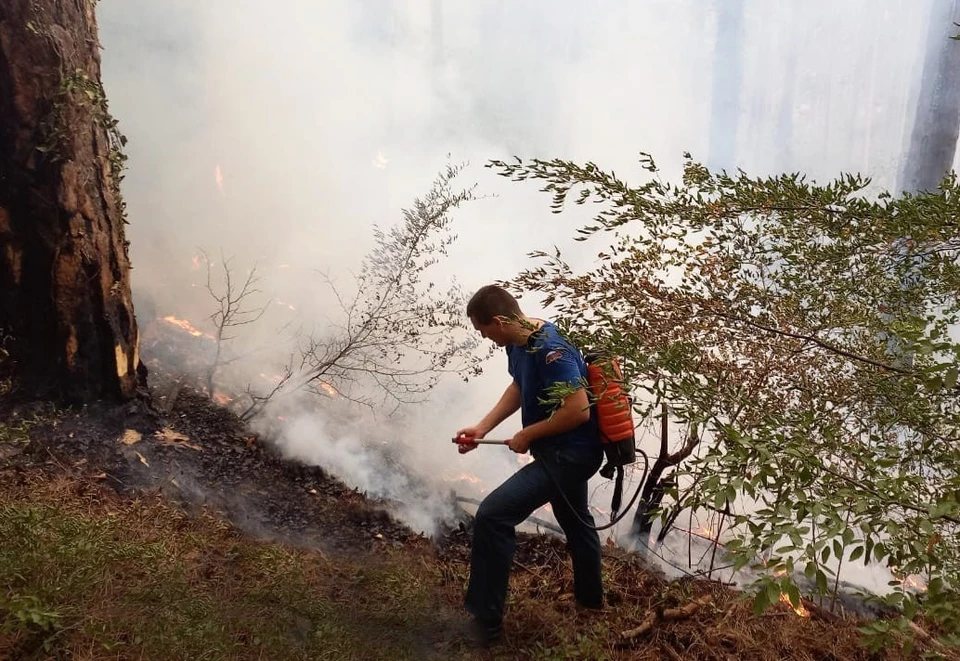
x=545, y=360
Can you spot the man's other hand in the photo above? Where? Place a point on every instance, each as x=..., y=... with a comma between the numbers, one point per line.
x=520, y=442
x=465, y=439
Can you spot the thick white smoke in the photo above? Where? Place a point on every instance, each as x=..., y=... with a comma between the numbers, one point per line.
x=281, y=132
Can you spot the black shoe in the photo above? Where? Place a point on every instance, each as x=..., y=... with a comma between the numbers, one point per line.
x=484, y=633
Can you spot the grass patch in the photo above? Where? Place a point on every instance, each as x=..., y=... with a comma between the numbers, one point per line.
x=146, y=581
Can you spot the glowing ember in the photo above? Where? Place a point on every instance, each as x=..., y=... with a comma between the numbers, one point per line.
x=222, y=399
x=276, y=378
x=467, y=477
x=330, y=390
x=800, y=609
x=218, y=177
x=186, y=325
x=911, y=581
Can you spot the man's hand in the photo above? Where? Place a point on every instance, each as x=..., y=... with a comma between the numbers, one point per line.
x=466, y=437
x=520, y=442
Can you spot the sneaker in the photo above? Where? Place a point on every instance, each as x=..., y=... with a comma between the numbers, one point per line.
x=484, y=633
x=593, y=606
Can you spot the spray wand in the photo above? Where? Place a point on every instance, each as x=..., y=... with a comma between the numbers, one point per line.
x=482, y=441
x=614, y=516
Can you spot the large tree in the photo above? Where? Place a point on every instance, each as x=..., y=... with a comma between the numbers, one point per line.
x=936, y=126
x=64, y=265
x=727, y=81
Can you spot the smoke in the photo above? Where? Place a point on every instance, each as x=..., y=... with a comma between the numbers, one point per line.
x=280, y=133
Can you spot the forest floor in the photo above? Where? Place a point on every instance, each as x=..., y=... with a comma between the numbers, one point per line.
x=168, y=530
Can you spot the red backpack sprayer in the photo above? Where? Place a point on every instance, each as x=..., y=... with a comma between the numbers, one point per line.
x=614, y=417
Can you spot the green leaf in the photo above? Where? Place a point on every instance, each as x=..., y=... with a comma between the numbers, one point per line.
x=793, y=593
x=773, y=591
x=950, y=377
x=760, y=603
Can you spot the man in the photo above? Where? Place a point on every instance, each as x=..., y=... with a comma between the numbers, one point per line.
x=563, y=439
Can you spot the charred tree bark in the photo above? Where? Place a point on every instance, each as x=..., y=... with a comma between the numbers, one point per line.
x=936, y=126
x=64, y=265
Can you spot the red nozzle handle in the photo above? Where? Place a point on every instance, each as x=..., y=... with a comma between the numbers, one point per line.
x=481, y=441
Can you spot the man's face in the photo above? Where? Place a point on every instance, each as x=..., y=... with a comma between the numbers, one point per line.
x=494, y=331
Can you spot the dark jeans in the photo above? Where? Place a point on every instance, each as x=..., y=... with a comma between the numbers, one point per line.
x=494, y=535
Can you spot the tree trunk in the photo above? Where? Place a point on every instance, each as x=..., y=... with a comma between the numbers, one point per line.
x=64, y=266
x=936, y=126
x=727, y=81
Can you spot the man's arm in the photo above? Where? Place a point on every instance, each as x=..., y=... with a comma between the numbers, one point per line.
x=573, y=412
x=507, y=406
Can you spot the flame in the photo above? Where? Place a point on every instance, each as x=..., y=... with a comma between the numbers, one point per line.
x=915, y=582
x=221, y=398
x=275, y=378
x=467, y=477
x=912, y=581
x=800, y=609
x=279, y=302
x=704, y=532
x=218, y=177
x=330, y=390
x=186, y=325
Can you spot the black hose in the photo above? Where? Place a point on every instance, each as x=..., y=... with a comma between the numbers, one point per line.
x=532, y=519
x=614, y=521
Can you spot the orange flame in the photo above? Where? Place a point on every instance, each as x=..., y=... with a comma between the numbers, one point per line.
x=467, y=477
x=186, y=325
x=910, y=581
x=218, y=177
x=330, y=390
x=221, y=398
x=800, y=609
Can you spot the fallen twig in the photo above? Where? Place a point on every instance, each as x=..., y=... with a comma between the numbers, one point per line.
x=671, y=652
x=666, y=615
x=929, y=639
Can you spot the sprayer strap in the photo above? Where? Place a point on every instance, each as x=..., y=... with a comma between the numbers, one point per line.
x=617, y=492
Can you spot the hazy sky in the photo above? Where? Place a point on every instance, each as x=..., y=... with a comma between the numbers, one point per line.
x=323, y=118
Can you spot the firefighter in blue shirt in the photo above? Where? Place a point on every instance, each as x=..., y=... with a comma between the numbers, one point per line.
x=561, y=435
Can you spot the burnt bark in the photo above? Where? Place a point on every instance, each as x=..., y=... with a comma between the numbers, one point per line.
x=64, y=265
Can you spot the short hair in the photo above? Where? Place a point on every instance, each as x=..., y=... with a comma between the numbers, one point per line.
x=492, y=301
